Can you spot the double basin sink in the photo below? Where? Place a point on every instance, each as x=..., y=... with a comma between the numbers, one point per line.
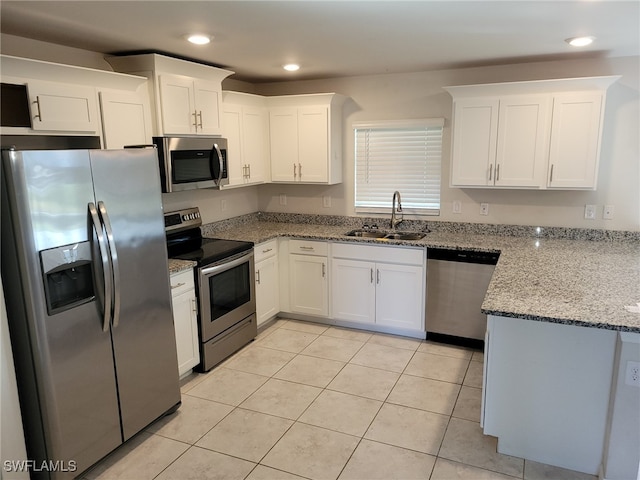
x=382, y=235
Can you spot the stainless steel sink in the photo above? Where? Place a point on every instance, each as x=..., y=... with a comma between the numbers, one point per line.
x=366, y=233
x=386, y=235
x=405, y=235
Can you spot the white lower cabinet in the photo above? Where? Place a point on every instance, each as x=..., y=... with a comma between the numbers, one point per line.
x=185, y=320
x=378, y=285
x=308, y=279
x=267, y=280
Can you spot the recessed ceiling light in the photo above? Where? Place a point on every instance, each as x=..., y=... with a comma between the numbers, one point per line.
x=291, y=67
x=580, y=41
x=199, y=39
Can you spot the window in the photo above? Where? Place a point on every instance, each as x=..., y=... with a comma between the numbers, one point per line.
x=403, y=156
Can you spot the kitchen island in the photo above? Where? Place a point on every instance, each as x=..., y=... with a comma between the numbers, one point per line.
x=559, y=335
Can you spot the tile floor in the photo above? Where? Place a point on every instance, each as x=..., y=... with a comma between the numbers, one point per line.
x=310, y=401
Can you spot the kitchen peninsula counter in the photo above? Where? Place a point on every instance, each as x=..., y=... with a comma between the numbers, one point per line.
x=574, y=282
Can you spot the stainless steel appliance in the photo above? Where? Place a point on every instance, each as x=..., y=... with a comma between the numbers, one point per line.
x=457, y=282
x=84, y=269
x=187, y=163
x=224, y=282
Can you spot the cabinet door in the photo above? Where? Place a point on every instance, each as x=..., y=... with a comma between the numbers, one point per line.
x=313, y=144
x=255, y=127
x=523, y=145
x=283, y=134
x=207, y=98
x=267, y=289
x=475, y=131
x=186, y=326
x=126, y=119
x=353, y=290
x=308, y=280
x=575, y=140
x=177, y=105
x=61, y=107
x=232, y=131
x=399, y=294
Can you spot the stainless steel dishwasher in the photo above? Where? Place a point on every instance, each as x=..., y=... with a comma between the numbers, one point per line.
x=457, y=282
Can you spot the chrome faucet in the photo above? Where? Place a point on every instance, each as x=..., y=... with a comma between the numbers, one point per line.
x=395, y=221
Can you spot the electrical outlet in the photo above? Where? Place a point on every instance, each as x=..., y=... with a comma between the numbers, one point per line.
x=326, y=201
x=283, y=199
x=590, y=212
x=457, y=206
x=607, y=212
x=632, y=374
x=484, y=209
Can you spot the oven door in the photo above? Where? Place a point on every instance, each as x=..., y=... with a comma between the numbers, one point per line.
x=226, y=294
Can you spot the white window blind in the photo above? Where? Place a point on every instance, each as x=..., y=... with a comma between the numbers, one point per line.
x=403, y=156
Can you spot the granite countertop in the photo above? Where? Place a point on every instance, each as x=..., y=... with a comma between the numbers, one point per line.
x=177, y=266
x=576, y=282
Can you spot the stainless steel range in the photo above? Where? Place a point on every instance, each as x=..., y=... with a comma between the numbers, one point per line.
x=224, y=285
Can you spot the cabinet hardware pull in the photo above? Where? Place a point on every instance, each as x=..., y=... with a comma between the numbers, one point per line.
x=267, y=250
x=498, y=173
x=551, y=174
x=490, y=171
x=194, y=305
x=200, y=115
x=372, y=275
x=324, y=272
x=249, y=169
x=258, y=277
x=294, y=171
x=300, y=170
x=177, y=286
x=304, y=247
x=37, y=102
x=195, y=120
x=378, y=276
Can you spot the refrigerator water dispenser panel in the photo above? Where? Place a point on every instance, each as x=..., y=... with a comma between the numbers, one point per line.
x=68, y=276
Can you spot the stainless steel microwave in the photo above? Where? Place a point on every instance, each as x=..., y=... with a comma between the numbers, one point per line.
x=187, y=163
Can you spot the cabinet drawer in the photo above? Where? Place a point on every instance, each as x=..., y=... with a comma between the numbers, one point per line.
x=265, y=250
x=182, y=282
x=308, y=247
x=374, y=253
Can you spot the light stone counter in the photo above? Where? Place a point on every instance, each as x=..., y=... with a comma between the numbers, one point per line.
x=177, y=266
x=575, y=282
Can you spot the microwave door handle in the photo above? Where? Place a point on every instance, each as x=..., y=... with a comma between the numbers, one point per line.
x=220, y=163
x=106, y=266
x=115, y=265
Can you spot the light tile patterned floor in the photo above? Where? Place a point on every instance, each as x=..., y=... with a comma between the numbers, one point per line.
x=311, y=401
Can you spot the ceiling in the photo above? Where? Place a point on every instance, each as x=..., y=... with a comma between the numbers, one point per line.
x=334, y=38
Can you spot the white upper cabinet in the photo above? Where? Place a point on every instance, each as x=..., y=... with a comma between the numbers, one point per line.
x=187, y=96
x=306, y=138
x=126, y=119
x=63, y=107
x=532, y=135
x=245, y=125
x=81, y=101
x=575, y=140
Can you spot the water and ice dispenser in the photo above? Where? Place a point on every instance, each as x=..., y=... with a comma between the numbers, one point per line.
x=68, y=276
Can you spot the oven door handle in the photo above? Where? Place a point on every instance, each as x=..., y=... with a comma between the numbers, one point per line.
x=208, y=271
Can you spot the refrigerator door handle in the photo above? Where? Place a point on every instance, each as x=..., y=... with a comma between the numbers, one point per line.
x=115, y=266
x=106, y=266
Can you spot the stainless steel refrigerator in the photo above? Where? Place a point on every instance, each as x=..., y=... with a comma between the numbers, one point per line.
x=84, y=268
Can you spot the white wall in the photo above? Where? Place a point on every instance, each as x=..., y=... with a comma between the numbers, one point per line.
x=418, y=95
